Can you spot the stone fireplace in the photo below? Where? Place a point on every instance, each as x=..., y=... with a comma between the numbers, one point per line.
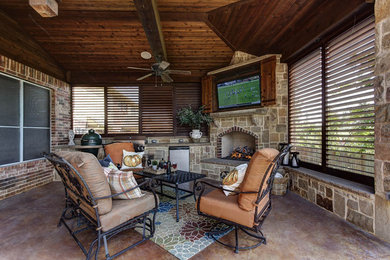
x=260, y=127
x=235, y=137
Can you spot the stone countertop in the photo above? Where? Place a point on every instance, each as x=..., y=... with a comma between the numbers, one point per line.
x=223, y=161
x=346, y=185
x=177, y=144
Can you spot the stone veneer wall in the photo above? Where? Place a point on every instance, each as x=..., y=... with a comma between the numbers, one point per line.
x=198, y=151
x=20, y=177
x=382, y=119
x=354, y=205
x=268, y=123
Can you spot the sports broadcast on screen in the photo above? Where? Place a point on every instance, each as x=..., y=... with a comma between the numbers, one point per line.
x=240, y=92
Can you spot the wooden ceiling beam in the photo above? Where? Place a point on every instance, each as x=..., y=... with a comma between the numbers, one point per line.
x=150, y=19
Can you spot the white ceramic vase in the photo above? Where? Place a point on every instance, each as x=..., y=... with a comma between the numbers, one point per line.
x=196, y=134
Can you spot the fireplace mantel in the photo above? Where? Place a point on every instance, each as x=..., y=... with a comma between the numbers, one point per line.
x=253, y=113
x=242, y=112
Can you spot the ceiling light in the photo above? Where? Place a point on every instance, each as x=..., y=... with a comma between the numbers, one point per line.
x=146, y=55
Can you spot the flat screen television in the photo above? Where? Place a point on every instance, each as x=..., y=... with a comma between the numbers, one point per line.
x=239, y=92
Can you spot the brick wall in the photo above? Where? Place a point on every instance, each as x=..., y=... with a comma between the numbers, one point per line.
x=23, y=176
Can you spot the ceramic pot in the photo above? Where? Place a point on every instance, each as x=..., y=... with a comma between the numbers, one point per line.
x=91, y=138
x=154, y=167
x=195, y=134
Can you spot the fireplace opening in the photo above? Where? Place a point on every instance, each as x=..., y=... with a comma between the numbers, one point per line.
x=241, y=154
x=237, y=146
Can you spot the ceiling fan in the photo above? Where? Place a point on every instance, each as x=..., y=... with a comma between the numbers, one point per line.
x=161, y=69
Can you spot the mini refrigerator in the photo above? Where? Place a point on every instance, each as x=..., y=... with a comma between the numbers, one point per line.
x=180, y=155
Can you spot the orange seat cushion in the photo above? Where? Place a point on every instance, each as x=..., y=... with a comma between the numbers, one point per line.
x=124, y=210
x=254, y=176
x=217, y=204
x=115, y=151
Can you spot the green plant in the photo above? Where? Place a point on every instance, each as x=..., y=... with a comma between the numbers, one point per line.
x=154, y=162
x=193, y=118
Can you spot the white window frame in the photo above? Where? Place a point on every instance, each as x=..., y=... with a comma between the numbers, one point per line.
x=21, y=119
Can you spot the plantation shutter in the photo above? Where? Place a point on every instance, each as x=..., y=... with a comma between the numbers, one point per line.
x=88, y=109
x=157, y=110
x=350, y=60
x=185, y=95
x=306, y=107
x=122, y=110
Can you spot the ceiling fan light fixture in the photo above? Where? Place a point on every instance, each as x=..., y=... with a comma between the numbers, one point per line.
x=146, y=55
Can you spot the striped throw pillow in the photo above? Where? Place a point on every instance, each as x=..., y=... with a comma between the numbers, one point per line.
x=120, y=181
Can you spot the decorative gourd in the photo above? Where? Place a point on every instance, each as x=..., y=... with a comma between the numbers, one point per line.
x=132, y=160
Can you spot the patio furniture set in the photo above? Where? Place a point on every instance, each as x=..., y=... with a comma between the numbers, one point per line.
x=90, y=201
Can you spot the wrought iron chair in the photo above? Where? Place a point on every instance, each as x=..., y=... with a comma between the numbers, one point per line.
x=247, y=209
x=80, y=204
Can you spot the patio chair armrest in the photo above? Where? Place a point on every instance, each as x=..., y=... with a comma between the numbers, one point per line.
x=221, y=188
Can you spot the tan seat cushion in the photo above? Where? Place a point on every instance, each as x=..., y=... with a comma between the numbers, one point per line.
x=90, y=169
x=254, y=175
x=124, y=210
x=218, y=205
x=115, y=151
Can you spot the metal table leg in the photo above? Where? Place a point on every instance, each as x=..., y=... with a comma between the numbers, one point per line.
x=177, y=202
x=193, y=190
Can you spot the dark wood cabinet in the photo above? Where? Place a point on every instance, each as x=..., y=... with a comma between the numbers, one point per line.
x=268, y=81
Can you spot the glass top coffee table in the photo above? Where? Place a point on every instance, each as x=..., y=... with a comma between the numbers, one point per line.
x=175, y=178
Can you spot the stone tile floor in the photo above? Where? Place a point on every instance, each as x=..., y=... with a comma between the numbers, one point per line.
x=295, y=229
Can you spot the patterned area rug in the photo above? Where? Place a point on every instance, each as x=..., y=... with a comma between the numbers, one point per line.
x=187, y=237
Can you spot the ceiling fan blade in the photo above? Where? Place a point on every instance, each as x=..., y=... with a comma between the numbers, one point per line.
x=136, y=68
x=166, y=78
x=179, y=72
x=146, y=76
x=164, y=65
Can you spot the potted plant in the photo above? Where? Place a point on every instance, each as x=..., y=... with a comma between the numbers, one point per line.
x=154, y=165
x=194, y=119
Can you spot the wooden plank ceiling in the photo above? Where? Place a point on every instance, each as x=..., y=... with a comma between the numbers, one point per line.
x=95, y=40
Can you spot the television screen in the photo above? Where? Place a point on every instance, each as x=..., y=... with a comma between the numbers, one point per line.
x=239, y=92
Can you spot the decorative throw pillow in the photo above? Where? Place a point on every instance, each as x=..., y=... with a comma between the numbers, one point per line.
x=115, y=151
x=106, y=161
x=233, y=180
x=131, y=160
x=120, y=181
x=112, y=166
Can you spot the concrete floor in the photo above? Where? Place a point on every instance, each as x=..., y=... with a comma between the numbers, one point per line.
x=295, y=229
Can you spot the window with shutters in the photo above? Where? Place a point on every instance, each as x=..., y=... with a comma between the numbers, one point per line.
x=122, y=110
x=144, y=110
x=332, y=103
x=88, y=109
x=306, y=107
x=108, y=110
x=24, y=120
x=157, y=110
